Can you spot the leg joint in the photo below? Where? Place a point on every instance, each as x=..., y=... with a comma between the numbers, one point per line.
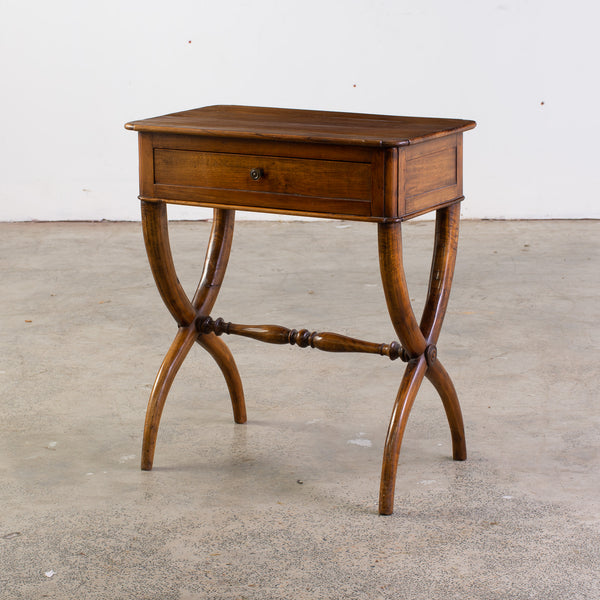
x=430, y=354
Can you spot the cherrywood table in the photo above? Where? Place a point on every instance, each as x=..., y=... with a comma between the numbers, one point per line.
x=336, y=165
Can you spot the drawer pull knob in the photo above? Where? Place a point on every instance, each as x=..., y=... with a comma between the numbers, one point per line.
x=256, y=174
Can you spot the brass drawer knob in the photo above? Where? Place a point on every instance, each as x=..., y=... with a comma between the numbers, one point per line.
x=256, y=174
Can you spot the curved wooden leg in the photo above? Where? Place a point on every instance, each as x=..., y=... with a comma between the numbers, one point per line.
x=156, y=237
x=443, y=384
x=440, y=282
x=412, y=339
x=396, y=290
x=213, y=273
x=184, y=340
x=215, y=263
x=419, y=340
x=413, y=376
x=442, y=271
x=220, y=352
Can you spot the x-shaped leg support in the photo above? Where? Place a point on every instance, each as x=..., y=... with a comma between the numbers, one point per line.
x=419, y=340
x=185, y=312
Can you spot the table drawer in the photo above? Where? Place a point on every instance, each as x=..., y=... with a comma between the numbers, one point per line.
x=299, y=176
x=309, y=179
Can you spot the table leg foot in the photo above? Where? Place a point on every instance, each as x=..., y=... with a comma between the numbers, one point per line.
x=445, y=388
x=413, y=376
x=223, y=357
x=184, y=340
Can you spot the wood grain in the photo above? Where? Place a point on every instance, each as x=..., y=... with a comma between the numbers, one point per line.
x=204, y=157
x=184, y=340
x=432, y=176
x=231, y=171
x=158, y=249
x=336, y=165
x=281, y=124
x=304, y=338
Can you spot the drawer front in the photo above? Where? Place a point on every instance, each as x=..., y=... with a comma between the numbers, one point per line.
x=286, y=183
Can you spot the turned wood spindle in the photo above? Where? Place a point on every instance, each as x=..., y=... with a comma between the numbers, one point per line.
x=277, y=334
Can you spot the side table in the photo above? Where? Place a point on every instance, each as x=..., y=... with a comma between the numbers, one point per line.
x=375, y=168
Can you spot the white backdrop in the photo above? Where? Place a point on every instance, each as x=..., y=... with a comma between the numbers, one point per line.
x=74, y=71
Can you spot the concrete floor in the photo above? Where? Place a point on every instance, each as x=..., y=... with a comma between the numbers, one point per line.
x=224, y=515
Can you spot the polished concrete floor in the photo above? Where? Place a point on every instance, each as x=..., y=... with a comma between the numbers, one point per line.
x=286, y=505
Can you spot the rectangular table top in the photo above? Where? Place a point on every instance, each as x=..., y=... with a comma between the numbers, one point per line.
x=282, y=124
x=302, y=162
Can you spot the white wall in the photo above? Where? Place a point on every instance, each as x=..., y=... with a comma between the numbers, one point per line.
x=73, y=71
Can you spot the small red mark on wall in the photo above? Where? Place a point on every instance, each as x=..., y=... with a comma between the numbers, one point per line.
x=542, y=103
x=354, y=85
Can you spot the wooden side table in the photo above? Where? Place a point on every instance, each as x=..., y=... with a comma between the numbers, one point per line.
x=335, y=165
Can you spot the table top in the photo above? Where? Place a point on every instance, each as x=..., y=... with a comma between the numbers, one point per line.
x=282, y=124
